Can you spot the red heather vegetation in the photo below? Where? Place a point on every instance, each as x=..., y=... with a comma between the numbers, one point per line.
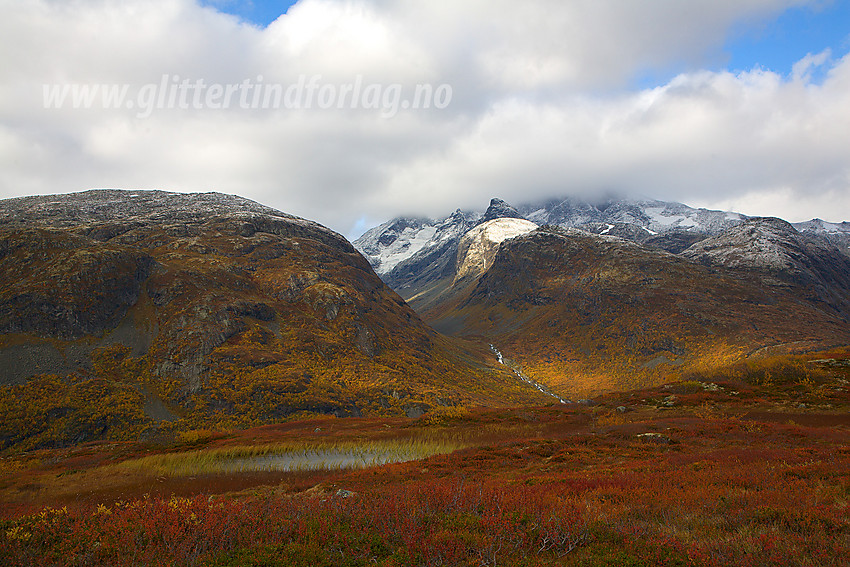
x=748, y=466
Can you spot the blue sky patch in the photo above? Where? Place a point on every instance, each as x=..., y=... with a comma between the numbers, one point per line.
x=777, y=45
x=257, y=12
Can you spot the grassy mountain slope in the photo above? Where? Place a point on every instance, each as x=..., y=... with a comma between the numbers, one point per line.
x=124, y=315
x=584, y=313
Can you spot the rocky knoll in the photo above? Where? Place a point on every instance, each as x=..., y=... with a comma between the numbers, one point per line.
x=207, y=309
x=773, y=252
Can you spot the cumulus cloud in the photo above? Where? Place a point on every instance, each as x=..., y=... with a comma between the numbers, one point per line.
x=541, y=103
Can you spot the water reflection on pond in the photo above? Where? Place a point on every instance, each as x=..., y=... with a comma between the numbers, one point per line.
x=316, y=459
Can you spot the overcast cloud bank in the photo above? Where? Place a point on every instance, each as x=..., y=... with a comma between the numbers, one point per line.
x=542, y=103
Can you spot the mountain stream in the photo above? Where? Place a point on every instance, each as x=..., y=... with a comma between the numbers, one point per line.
x=516, y=370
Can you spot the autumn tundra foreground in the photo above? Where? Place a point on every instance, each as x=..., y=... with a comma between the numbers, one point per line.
x=200, y=380
x=752, y=468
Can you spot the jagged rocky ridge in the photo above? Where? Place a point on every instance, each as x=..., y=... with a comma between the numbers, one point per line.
x=414, y=255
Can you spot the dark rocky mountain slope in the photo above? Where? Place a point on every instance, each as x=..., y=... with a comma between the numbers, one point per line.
x=127, y=312
x=583, y=313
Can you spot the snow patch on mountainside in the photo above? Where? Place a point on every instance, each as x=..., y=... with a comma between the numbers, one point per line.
x=478, y=247
x=818, y=225
x=410, y=242
x=387, y=245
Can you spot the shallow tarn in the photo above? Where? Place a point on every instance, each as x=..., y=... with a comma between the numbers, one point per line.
x=321, y=459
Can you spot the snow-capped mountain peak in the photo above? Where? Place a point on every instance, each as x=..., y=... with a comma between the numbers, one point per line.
x=412, y=253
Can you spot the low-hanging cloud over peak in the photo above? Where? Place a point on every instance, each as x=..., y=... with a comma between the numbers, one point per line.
x=523, y=100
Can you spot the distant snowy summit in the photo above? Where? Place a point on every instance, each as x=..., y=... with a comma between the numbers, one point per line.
x=652, y=217
x=412, y=253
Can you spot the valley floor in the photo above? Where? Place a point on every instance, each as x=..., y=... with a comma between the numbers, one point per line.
x=729, y=471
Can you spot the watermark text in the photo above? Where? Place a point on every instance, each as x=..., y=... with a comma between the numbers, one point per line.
x=174, y=92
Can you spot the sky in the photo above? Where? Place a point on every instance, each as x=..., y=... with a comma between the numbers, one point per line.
x=351, y=112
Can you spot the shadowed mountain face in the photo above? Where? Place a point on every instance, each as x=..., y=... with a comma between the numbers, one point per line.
x=773, y=252
x=584, y=313
x=209, y=308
